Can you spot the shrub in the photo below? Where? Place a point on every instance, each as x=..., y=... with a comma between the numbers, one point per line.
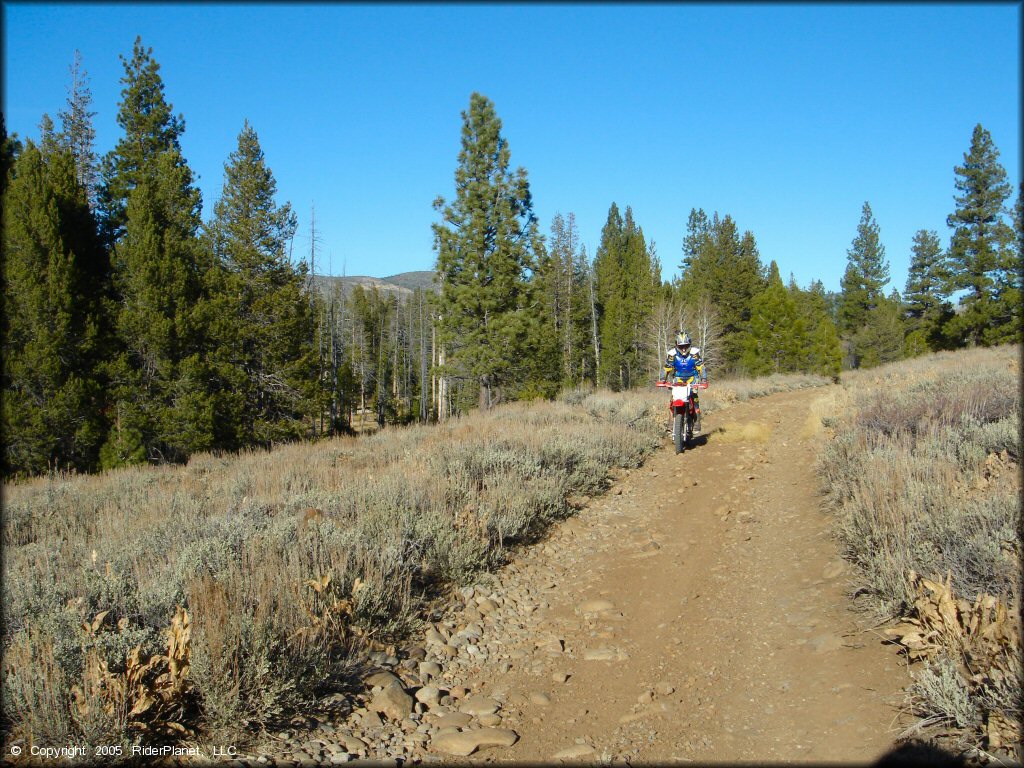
x=285, y=560
x=922, y=476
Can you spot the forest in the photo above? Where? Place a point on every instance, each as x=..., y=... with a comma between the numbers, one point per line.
x=135, y=332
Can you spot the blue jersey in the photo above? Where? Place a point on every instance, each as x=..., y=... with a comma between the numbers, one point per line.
x=684, y=367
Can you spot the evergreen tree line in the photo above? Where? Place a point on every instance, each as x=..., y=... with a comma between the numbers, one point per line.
x=133, y=331
x=521, y=317
x=981, y=270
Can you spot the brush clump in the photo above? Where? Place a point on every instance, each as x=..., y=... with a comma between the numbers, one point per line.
x=923, y=477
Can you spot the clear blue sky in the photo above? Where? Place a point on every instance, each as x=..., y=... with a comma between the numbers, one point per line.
x=787, y=117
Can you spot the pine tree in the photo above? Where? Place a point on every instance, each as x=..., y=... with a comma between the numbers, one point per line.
x=590, y=353
x=867, y=272
x=568, y=303
x=776, y=341
x=580, y=364
x=822, y=354
x=150, y=130
x=52, y=404
x=78, y=133
x=608, y=279
x=699, y=272
x=626, y=276
x=982, y=259
x=161, y=407
x=723, y=269
x=551, y=323
x=882, y=339
x=158, y=271
x=642, y=272
x=698, y=231
x=264, y=321
x=10, y=148
x=487, y=246
x=1018, y=228
x=1006, y=279
x=48, y=142
x=926, y=294
x=373, y=313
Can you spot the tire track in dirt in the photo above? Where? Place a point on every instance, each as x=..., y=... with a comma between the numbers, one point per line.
x=728, y=636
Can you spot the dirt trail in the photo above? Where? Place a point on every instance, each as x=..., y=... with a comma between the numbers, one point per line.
x=725, y=634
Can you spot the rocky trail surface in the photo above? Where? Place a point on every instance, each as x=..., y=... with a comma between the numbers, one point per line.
x=696, y=612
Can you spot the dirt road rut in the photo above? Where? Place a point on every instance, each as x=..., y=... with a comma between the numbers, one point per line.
x=696, y=612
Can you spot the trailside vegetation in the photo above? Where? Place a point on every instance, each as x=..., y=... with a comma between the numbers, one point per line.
x=923, y=476
x=136, y=332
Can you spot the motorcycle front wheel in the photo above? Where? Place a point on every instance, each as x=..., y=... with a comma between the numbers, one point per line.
x=679, y=430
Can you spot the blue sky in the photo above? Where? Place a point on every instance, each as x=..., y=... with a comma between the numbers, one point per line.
x=787, y=117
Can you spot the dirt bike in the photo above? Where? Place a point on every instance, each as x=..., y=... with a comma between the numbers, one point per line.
x=683, y=407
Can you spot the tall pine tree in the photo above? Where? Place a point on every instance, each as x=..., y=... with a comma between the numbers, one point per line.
x=551, y=291
x=723, y=270
x=259, y=313
x=78, y=133
x=822, y=353
x=626, y=279
x=867, y=272
x=160, y=410
x=487, y=248
x=569, y=301
x=926, y=295
x=608, y=279
x=982, y=259
x=150, y=129
x=52, y=329
x=776, y=341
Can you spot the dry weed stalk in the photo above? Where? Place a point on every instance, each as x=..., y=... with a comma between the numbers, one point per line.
x=329, y=615
x=151, y=694
x=983, y=637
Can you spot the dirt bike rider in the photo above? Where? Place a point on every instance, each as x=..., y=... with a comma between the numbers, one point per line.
x=685, y=363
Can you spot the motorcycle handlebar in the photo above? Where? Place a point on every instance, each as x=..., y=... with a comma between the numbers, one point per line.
x=700, y=385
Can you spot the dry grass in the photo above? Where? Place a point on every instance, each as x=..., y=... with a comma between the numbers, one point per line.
x=738, y=390
x=287, y=562
x=822, y=411
x=923, y=475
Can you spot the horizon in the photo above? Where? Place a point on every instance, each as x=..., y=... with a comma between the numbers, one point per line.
x=786, y=118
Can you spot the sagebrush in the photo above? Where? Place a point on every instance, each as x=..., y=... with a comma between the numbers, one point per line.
x=923, y=475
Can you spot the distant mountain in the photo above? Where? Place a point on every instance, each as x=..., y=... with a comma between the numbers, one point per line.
x=402, y=284
x=412, y=280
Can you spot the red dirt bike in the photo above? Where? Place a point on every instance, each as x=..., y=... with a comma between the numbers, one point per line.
x=683, y=407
